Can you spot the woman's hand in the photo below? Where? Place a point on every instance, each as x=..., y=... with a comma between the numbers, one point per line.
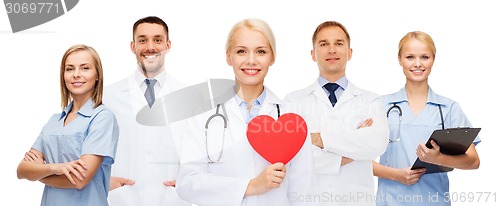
x=429, y=155
x=409, y=177
x=32, y=156
x=77, y=168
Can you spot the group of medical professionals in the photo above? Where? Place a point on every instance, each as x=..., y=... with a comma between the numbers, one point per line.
x=95, y=152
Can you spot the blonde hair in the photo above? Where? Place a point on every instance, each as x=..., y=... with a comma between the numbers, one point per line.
x=421, y=36
x=256, y=25
x=98, y=88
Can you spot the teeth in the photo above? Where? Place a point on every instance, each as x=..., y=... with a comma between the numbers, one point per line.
x=251, y=71
x=152, y=56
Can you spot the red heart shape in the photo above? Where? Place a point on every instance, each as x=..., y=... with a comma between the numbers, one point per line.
x=277, y=141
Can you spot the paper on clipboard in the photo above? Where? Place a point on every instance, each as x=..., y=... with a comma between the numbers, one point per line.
x=452, y=141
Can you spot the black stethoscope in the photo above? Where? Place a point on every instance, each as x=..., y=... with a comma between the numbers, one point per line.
x=224, y=120
x=400, y=113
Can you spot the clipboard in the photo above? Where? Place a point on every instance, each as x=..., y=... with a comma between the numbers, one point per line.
x=452, y=141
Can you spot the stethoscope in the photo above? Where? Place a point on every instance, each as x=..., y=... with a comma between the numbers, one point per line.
x=224, y=120
x=400, y=113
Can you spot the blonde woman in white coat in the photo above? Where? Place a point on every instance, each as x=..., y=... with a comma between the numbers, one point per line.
x=226, y=170
x=347, y=132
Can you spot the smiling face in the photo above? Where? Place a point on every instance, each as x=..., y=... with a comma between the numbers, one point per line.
x=150, y=46
x=417, y=59
x=331, y=51
x=80, y=75
x=250, y=55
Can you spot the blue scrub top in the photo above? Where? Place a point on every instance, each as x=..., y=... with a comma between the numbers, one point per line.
x=93, y=131
x=431, y=188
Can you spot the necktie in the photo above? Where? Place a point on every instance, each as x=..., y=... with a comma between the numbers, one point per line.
x=331, y=87
x=150, y=91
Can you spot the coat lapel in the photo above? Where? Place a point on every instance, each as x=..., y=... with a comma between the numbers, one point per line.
x=138, y=101
x=318, y=92
x=269, y=105
x=350, y=92
x=235, y=120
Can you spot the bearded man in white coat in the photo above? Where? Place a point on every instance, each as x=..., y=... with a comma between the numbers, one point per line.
x=146, y=162
x=347, y=124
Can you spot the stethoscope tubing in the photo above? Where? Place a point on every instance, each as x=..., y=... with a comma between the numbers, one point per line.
x=400, y=113
x=224, y=119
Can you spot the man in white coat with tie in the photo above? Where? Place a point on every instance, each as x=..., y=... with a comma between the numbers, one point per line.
x=146, y=161
x=347, y=124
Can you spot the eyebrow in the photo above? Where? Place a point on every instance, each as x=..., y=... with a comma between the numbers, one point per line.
x=262, y=47
x=83, y=64
x=424, y=54
x=326, y=41
x=259, y=47
x=155, y=36
x=322, y=41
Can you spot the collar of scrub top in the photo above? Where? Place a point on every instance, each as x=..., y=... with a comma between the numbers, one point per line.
x=432, y=98
x=86, y=109
x=256, y=105
x=342, y=82
x=161, y=79
x=402, y=96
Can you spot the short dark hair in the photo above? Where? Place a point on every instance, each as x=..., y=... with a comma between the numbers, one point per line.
x=151, y=20
x=331, y=24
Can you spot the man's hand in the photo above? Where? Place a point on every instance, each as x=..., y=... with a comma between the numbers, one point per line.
x=345, y=160
x=316, y=140
x=367, y=123
x=116, y=182
x=169, y=183
x=316, y=137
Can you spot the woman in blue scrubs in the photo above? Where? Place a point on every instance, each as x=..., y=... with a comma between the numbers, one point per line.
x=74, y=152
x=422, y=111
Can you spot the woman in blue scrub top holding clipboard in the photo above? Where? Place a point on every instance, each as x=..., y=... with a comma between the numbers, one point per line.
x=414, y=112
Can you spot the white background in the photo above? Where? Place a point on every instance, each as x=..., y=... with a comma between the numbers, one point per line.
x=466, y=67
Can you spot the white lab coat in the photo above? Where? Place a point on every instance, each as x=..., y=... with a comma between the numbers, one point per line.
x=146, y=154
x=225, y=183
x=351, y=184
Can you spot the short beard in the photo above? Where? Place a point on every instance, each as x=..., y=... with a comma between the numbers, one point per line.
x=153, y=69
